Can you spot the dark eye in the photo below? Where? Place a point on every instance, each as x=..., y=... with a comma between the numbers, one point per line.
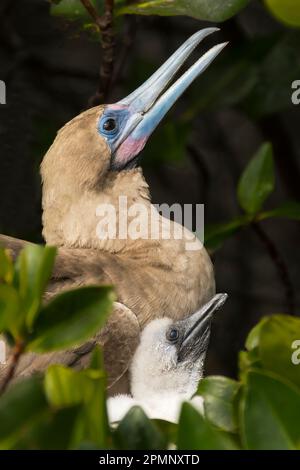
x=109, y=125
x=173, y=335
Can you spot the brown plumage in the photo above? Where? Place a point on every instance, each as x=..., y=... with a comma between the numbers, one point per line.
x=152, y=277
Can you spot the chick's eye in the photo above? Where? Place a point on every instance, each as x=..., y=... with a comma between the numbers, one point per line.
x=109, y=125
x=173, y=334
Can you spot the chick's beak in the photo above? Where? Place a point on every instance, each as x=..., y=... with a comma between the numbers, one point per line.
x=197, y=329
x=148, y=104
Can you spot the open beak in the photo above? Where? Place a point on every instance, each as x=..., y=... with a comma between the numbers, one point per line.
x=197, y=329
x=147, y=105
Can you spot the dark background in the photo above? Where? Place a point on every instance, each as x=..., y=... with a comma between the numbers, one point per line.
x=51, y=66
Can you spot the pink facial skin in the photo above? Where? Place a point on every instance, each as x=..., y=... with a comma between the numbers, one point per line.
x=129, y=149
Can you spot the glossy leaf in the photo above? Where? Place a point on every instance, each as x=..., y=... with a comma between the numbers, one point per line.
x=137, y=432
x=277, y=336
x=71, y=318
x=216, y=10
x=33, y=271
x=253, y=338
x=257, y=181
x=219, y=395
x=197, y=433
x=270, y=413
x=248, y=360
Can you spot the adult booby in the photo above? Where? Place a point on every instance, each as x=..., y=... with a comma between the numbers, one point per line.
x=93, y=161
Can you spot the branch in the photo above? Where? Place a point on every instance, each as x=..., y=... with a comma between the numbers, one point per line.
x=91, y=10
x=16, y=354
x=280, y=265
x=105, y=25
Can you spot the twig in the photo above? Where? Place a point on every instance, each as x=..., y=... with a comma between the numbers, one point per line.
x=279, y=264
x=16, y=354
x=105, y=25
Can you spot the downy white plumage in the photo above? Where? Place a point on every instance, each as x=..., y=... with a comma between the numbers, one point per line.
x=168, y=365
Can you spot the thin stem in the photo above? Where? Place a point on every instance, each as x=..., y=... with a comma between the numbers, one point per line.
x=280, y=265
x=105, y=25
x=91, y=10
x=16, y=354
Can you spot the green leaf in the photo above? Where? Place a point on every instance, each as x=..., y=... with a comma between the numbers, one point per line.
x=270, y=413
x=6, y=266
x=71, y=318
x=288, y=210
x=217, y=234
x=273, y=337
x=219, y=395
x=196, y=433
x=66, y=387
x=248, y=360
x=137, y=432
x=20, y=406
x=277, y=336
x=95, y=425
x=257, y=181
x=33, y=270
x=287, y=11
x=253, y=338
x=168, y=430
x=217, y=10
x=10, y=311
x=53, y=431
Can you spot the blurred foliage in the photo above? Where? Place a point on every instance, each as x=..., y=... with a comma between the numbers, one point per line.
x=68, y=319
x=287, y=11
x=256, y=184
x=66, y=409
x=217, y=10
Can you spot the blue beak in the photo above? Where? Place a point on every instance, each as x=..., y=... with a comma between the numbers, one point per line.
x=146, y=107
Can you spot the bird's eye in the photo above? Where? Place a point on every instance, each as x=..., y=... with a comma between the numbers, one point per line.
x=109, y=125
x=173, y=335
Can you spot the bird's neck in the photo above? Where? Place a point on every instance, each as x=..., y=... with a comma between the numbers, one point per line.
x=179, y=384
x=116, y=217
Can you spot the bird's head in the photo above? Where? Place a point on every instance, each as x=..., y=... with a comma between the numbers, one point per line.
x=170, y=356
x=92, y=154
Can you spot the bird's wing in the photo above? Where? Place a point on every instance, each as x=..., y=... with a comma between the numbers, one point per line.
x=73, y=267
x=13, y=244
x=119, y=339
